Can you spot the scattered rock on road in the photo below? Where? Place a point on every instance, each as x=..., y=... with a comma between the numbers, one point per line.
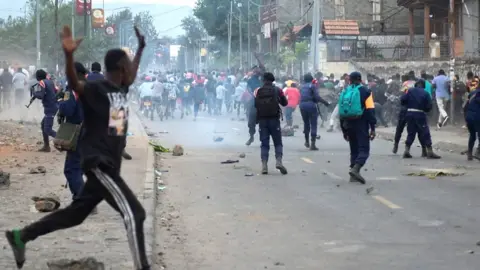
x=38, y=169
x=4, y=180
x=88, y=263
x=288, y=131
x=242, y=155
x=177, y=150
x=48, y=203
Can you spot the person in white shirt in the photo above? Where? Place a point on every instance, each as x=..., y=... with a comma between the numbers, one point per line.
x=239, y=90
x=19, y=82
x=220, y=90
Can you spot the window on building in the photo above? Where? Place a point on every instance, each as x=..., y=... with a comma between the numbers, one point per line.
x=459, y=21
x=376, y=10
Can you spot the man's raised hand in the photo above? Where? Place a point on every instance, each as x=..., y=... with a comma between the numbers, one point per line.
x=140, y=38
x=68, y=43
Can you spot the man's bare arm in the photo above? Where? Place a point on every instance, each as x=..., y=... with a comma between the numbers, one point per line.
x=72, y=78
x=138, y=54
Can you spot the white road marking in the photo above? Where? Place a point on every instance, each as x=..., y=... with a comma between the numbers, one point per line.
x=387, y=178
x=332, y=175
x=307, y=160
x=386, y=202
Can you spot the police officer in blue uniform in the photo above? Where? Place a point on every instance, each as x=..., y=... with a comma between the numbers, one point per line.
x=359, y=131
x=70, y=110
x=418, y=102
x=309, y=98
x=46, y=92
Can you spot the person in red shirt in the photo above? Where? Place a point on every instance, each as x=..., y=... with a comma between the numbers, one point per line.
x=293, y=96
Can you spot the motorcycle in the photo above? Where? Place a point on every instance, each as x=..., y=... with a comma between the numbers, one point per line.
x=147, y=108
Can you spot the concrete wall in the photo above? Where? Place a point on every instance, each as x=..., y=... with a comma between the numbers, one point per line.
x=337, y=68
x=387, y=69
x=471, y=27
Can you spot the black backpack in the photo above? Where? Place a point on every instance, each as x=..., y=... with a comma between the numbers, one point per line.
x=266, y=102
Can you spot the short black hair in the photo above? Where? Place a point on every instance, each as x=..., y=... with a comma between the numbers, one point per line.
x=40, y=75
x=80, y=68
x=96, y=67
x=268, y=77
x=113, y=58
x=308, y=78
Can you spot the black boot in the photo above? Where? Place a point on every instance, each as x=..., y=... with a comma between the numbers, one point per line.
x=126, y=155
x=424, y=151
x=406, y=153
x=395, y=148
x=307, y=141
x=264, y=166
x=355, y=173
x=431, y=154
x=280, y=167
x=469, y=155
x=46, y=145
x=313, y=147
x=250, y=140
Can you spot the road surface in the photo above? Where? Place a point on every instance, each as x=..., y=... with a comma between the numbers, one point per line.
x=215, y=216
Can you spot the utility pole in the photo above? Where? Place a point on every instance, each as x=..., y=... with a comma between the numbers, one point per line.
x=37, y=10
x=315, y=32
x=56, y=34
x=240, y=32
x=85, y=23
x=249, y=34
x=230, y=34
x=452, y=60
x=73, y=18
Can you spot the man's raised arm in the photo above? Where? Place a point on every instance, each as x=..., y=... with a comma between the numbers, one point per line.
x=138, y=54
x=69, y=46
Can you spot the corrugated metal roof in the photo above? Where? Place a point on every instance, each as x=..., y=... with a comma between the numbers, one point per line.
x=296, y=29
x=341, y=27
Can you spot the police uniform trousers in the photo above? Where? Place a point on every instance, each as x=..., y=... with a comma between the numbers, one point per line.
x=47, y=127
x=309, y=113
x=417, y=124
x=270, y=127
x=359, y=140
x=252, y=118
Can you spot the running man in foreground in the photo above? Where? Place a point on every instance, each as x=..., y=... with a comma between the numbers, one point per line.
x=106, y=123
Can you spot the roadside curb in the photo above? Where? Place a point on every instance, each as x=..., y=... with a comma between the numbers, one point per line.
x=439, y=145
x=149, y=195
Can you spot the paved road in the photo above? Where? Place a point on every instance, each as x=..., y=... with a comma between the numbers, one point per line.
x=215, y=217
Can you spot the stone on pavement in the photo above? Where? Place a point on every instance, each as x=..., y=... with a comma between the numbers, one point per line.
x=177, y=150
x=288, y=131
x=81, y=264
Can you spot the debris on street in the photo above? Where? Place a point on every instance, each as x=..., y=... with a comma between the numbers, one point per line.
x=38, y=170
x=177, y=150
x=229, y=161
x=434, y=173
x=48, y=203
x=288, y=131
x=217, y=139
x=4, y=180
x=249, y=174
x=242, y=155
x=88, y=263
x=158, y=147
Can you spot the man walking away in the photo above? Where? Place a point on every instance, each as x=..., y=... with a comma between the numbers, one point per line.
x=418, y=102
x=357, y=118
x=253, y=84
x=19, y=82
x=293, y=97
x=268, y=99
x=46, y=93
x=7, y=88
x=220, y=94
x=308, y=108
x=441, y=83
x=106, y=125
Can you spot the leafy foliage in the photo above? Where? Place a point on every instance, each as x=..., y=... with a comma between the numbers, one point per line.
x=18, y=35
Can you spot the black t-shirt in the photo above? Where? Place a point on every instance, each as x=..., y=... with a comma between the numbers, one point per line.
x=106, y=115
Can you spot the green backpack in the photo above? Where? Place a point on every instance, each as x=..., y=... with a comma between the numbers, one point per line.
x=350, y=103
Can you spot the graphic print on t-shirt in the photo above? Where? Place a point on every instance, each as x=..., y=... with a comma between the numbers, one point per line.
x=118, y=119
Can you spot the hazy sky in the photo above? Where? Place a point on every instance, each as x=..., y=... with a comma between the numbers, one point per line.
x=167, y=13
